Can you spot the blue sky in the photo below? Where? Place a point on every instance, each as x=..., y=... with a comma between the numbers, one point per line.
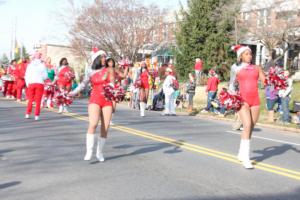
x=37, y=20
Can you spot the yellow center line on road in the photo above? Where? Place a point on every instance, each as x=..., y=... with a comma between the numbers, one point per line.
x=195, y=148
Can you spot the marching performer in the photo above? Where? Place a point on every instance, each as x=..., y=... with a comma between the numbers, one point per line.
x=49, y=87
x=119, y=76
x=35, y=75
x=244, y=80
x=10, y=87
x=64, y=78
x=20, y=78
x=100, y=108
x=144, y=87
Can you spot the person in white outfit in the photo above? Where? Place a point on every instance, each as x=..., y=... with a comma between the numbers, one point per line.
x=169, y=91
x=36, y=74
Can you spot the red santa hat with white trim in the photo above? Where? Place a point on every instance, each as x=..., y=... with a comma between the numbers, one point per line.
x=239, y=49
x=96, y=52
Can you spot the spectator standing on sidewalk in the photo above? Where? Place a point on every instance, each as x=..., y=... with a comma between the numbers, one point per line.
x=271, y=100
x=285, y=98
x=211, y=90
x=191, y=90
x=198, y=70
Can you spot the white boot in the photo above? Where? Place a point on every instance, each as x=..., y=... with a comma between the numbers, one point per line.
x=240, y=154
x=89, y=146
x=65, y=109
x=245, y=154
x=49, y=103
x=142, y=109
x=100, y=146
x=60, y=109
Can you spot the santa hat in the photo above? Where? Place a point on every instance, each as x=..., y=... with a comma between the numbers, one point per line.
x=239, y=49
x=96, y=52
x=212, y=72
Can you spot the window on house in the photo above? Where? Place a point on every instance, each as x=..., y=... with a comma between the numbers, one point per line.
x=245, y=16
x=263, y=18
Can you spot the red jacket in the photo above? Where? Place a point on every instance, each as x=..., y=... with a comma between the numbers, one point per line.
x=20, y=70
x=212, y=84
x=11, y=70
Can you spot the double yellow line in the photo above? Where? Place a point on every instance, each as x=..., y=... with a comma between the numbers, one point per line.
x=196, y=148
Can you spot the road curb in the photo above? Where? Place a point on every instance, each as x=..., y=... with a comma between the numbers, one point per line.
x=258, y=124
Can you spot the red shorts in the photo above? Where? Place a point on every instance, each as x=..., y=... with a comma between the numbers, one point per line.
x=100, y=101
x=251, y=100
x=145, y=85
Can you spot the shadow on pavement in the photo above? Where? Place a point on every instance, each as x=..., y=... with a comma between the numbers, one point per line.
x=270, y=152
x=148, y=149
x=9, y=184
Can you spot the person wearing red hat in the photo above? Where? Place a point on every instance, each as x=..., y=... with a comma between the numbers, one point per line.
x=211, y=90
x=35, y=76
x=244, y=78
x=49, y=87
x=11, y=82
x=99, y=108
x=20, y=78
x=64, y=80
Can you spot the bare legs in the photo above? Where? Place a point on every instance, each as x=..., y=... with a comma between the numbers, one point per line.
x=249, y=117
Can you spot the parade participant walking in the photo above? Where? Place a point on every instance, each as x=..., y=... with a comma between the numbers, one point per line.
x=64, y=78
x=144, y=88
x=49, y=87
x=168, y=89
x=35, y=75
x=100, y=108
x=10, y=86
x=244, y=79
x=20, y=78
x=119, y=76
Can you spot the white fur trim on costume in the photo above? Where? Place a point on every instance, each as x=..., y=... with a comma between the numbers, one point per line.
x=98, y=53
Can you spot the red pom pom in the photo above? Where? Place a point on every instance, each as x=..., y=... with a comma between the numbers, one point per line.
x=231, y=102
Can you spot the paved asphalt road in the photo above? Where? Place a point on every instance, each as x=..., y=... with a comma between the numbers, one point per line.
x=154, y=157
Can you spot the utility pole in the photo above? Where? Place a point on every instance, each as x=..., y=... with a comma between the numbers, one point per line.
x=236, y=29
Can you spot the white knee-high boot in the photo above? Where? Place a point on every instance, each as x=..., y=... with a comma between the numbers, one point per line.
x=89, y=146
x=142, y=108
x=100, y=146
x=244, y=154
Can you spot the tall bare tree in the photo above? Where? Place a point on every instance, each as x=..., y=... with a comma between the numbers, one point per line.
x=120, y=27
x=274, y=24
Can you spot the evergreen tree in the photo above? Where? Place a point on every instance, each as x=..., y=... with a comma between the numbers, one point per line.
x=204, y=31
x=4, y=60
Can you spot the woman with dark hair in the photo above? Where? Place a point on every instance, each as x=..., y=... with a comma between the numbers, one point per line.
x=64, y=78
x=119, y=76
x=99, y=107
x=144, y=87
x=244, y=80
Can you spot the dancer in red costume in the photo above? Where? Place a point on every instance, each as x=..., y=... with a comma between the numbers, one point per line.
x=20, y=78
x=144, y=87
x=119, y=76
x=99, y=107
x=49, y=87
x=244, y=79
x=64, y=78
x=10, y=85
